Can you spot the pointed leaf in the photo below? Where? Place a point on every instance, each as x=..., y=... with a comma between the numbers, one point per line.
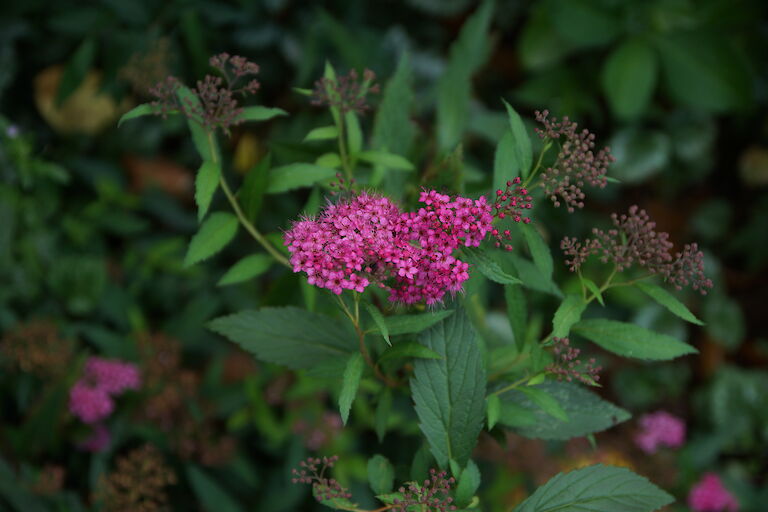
x=546, y=402
x=378, y=318
x=542, y=256
x=381, y=474
x=258, y=113
x=629, y=77
x=247, y=268
x=410, y=324
x=489, y=268
x=408, y=349
x=631, y=340
x=144, y=109
x=206, y=183
x=322, y=133
x=215, y=233
x=388, y=160
x=349, y=384
x=299, y=175
x=468, y=483
x=205, y=142
x=669, y=301
x=493, y=408
x=568, y=313
x=251, y=193
x=354, y=133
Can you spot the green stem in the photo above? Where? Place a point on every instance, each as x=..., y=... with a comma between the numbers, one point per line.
x=239, y=211
x=536, y=168
x=345, y=164
x=511, y=386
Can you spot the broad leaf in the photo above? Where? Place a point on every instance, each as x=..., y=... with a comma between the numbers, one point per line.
x=521, y=148
x=258, y=113
x=215, y=233
x=409, y=324
x=587, y=412
x=487, y=266
x=669, y=301
x=532, y=277
x=322, y=133
x=206, y=183
x=349, y=384
x=287, y=335
x=546, y=402
x=631, y=340
x=629, y=77
x=449, y=393
x=408, y=349
x=299, y=175
x=381, y=474
x=467, y=484
x=542, y=256
x=492, y=410
x=247, y=268
x=385, y=159
x=596, y=489
x=568, y=313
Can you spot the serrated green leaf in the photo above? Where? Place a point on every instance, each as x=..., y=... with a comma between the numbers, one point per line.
x=542, y=256
x=349, y=384
x=587, y=412
x=385, y=159
x=505, y=163
x=487, y=266
x=210, y=493
x=378, y=319
x=492, y=410
x=247, y=268
x=629, y=77
x=381, y=475
x=669, y=301
x=408, y=349
x=257, y=113
x=251, y=193
x=522, y=144
x=410, y=324
x=206, y=183
x=468, y=483
x=381, y=415
x=568, y=313
x=631, y=340
x=546, y=402
x=144, y=109
x=287, y=336
x=322, y=133
x=215, y=233
x=449, y=393
x=596, y=489
x=299, y=175
x=205, y=143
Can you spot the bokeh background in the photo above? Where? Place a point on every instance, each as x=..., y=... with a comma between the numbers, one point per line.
x=94, y=222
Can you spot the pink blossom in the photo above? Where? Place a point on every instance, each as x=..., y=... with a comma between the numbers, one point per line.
x=709, y=495
x=113, y=376
x=90, y=404
x=660, y=428
x=99, y=439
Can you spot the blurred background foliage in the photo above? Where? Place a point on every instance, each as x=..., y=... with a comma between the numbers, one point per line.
x=94, y=222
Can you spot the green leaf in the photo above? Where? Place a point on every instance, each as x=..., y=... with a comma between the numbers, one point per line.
x=547, y=402
x=381, y=415
x=287, y=336
x=568, y=313
x=385, y=159
x=523, y=153
x=468, y=483
x=409, y=324
x=76, y=70
x=584, y=23
x=532, y=277
x=349, y=384
x=247, y=268
x=587, y=412
x=322, y=133
x=393, y=129
x=542, y=256
x=298, y=175
x=596, y=489
x=629, y=77
x=329, y=160
x=210, y=494
x=487, y=266
x=381, y=474
x=517, y=313
x=669, y=301
x=206, y=183
x=408, y=349
x=390, y=498
x=592, y=287
x=449, y=393
x=205, y=143
x=144, y=109
x=258, y=113
x=631, y=340
x=505, y=163
x=215, y=233
x=251, y=193
x=492, y=410
x=378, y=318
x=639, y=154
x=354, y=133
x=467, y=54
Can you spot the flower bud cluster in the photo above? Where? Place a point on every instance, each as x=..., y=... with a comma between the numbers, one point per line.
x=345, y=92
x=568, y=366
x=434, y=494
x=312, y=472
x=510, y=203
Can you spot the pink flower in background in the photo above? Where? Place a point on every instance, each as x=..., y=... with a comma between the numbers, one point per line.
x=111, y=375
x=90, y=404
x=660, y=429
x=99, y=439
x=709, y=495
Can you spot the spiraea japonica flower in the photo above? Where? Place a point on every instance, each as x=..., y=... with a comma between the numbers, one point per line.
x=91, y=397
x=634, y=242
x=660, y=429
x=710, y=495
x=365, y=239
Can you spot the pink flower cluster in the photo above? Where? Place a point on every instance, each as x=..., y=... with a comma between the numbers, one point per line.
x=91, y=398
x=367, y=239
x=660, y=429
x=710, y=495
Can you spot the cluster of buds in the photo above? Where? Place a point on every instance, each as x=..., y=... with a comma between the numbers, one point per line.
x=38, y=349
x=312, y=472
x=568, y=366
x=635, y=241
x=345, y=92
x=433, y=494
x=510, y=203
x=576, y=163
x=215, y=104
